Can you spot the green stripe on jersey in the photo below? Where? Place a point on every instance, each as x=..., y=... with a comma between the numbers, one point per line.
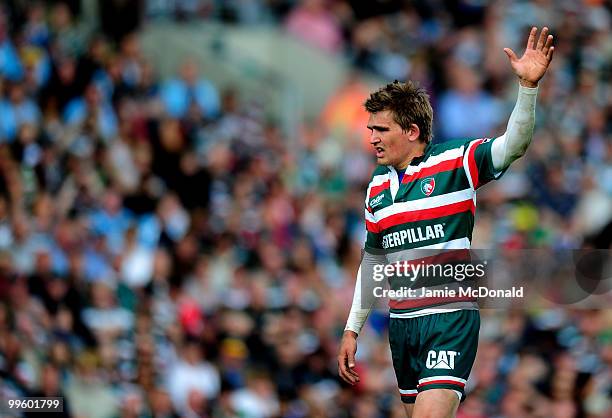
x=446, y=182
x=439, y=148
x=381, y=200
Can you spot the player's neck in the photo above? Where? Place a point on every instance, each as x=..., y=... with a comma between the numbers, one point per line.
x=417, y=151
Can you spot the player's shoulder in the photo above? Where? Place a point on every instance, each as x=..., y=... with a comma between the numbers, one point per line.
x=380, y=170
x=458, y=145
x=440, y=147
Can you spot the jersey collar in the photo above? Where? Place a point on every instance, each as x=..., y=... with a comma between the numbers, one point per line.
x=420, y=158
x=415, y=160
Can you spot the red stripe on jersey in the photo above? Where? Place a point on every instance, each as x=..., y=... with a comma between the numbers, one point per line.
x=420, y=302
x=380, y=188
x=447, y=165
x=472, y=163
x=372, y=227
x=425, y=214
x=440, y=382
x=444, y=257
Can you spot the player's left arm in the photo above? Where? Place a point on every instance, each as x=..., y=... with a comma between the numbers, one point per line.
x=530, y=68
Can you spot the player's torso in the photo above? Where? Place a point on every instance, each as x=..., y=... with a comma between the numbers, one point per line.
x=431, y=207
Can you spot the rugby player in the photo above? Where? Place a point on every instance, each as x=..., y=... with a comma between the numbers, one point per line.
x=423, y=195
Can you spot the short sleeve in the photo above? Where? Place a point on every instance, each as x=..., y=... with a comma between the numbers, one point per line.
x=478, y=162
x=372, y=241
x=372, y=235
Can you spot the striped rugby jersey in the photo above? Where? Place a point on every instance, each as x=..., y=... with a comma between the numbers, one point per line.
x=432, y=207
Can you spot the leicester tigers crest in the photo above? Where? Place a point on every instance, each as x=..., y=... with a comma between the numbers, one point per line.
x=428, y=185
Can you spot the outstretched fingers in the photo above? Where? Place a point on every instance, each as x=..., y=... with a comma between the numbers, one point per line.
x=548, y=44
x=543, y=44
x=542, y=39
x=510, y=53
x=548, y=48
x=532, y=37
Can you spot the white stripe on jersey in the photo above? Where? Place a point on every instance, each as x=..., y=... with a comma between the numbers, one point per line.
x=466, y=164
x=447, y=155
x=393, y=182
x=379, y=179
x=454, y=244
x=369, y=217
x=426, y=203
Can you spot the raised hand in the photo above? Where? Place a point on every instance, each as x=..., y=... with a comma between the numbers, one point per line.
x=530, y=68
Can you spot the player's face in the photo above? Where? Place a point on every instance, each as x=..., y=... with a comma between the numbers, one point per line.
x=392, y=145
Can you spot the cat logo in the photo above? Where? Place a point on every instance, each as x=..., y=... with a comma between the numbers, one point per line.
x=441, y=360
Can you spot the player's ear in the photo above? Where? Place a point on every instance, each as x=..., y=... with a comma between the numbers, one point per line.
x=413, y=132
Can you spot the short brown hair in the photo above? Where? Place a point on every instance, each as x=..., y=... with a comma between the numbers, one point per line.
x=408, y=103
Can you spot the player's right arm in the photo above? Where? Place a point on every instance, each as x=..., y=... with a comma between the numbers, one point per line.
x=487, y=159
x=530, y=68
x=348, y=346
x=360, y=307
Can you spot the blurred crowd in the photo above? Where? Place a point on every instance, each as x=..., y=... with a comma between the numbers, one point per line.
x=166, y=251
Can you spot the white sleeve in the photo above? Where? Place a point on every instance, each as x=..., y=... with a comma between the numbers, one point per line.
x=514, y=142
x=358, y=315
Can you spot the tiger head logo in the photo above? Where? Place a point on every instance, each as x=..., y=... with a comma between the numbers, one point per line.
x=428, y=185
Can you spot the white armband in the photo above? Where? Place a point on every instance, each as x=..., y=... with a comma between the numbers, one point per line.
x=514, y=142
x=358, y=315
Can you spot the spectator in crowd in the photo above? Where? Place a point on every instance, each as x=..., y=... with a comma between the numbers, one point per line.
x=312, y=22
x=191, y=377
x=464, y=98
x=10, y=63
x=91, y=111
x=17, y=111
x=190, y=94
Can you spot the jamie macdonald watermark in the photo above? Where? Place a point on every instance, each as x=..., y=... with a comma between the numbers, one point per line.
x=463, y=292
